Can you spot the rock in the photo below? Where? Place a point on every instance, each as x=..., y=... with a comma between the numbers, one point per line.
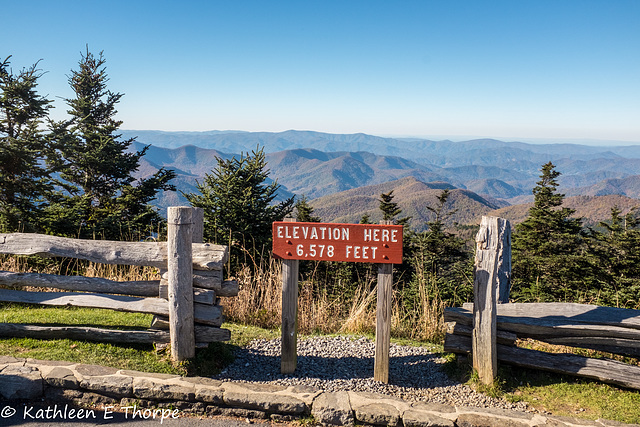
x=490, y=417
x=417, y=418
x=110, y=385
x=173, y=389
x=61, y=377
x=263, y=397
x=242, y=413
x=95, y=370
x=380, y=414
x=21, y=382
x=333, y=409
x=210, y=394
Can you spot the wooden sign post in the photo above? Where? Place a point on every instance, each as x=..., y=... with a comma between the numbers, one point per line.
x=490, y=285
x=289, y=354
x=381, y=244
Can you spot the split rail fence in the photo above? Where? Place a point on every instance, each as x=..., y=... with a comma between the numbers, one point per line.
x=185, y=302
x=489, y=328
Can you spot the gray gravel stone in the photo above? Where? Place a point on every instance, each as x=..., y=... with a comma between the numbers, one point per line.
x=342, y=363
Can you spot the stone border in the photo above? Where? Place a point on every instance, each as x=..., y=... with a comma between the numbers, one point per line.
x=29, y=379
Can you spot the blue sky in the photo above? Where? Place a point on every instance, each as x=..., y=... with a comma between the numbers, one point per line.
x=514, y=69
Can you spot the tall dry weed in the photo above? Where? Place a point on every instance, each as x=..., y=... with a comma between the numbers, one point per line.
x=361, y=316
x=259, y=301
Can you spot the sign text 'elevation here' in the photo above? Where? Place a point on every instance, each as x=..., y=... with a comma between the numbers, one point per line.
x=338, y=242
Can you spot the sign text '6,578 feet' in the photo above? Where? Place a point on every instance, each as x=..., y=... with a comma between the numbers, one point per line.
x=338, y=242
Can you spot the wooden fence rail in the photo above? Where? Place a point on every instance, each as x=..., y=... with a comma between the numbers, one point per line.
x=199, y=288
x=608, y=329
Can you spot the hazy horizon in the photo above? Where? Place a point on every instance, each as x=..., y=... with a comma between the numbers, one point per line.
x=510, y=70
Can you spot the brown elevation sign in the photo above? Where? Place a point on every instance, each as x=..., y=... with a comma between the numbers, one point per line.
x=338, y=242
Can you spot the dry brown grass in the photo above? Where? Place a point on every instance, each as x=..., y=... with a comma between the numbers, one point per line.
x=259, y=302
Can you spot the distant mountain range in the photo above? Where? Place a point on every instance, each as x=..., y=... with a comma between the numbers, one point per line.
x=485, y=171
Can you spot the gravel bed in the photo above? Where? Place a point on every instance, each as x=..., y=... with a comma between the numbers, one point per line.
x=346, y=363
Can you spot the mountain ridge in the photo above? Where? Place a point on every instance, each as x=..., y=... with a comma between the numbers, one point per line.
x=318, y=164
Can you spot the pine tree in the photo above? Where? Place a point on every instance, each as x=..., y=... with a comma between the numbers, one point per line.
x=615, y=258
x=388, y=207
x=24, y=182
x=238, y=205
x=549, y=258
x=304, y=211
x=101, y=198
x=439, y=256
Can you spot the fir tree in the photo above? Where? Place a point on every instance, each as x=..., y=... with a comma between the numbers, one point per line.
x=388, y=207
x=439, y=256
x=100, y=198
x=549, y=260
x=615, y=258
x=24, y=182
x=239, y=205
x=304, y=211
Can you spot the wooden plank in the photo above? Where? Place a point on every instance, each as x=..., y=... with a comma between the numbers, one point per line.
x=226, y=288
x=383, y=323
x=208, y=334
x=180, y=282
x=489, y=270
x=202, y=296
x=612, y=339
x=208, y=314
x=78, y=299
x=142, y=288
x=621, y=346
x=502, y=337
x=545, y=327
x=206, y=256
x=604, y=370
x=572, y=312
x=15, y=330
x=160, y=322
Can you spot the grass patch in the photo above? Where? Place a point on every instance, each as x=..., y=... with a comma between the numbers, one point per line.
x=77, y=316
x=571, y=396
x=561, y=395
x=208, y=361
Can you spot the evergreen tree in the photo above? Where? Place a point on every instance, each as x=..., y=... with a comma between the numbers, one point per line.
x=549, y=259
x=439, y=257
x=388, y=207
x=24, y=182
x=366, y=219
x=238, y=205
x=304, y=211
x=100, y=198
x=616, y=257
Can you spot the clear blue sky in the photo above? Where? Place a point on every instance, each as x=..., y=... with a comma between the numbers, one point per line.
x=504, y=69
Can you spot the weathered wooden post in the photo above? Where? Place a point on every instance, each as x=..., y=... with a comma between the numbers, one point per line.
x=197, y=215
x=383, y=323
x=180, y=286
x=289, y=350
x=492, y=271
